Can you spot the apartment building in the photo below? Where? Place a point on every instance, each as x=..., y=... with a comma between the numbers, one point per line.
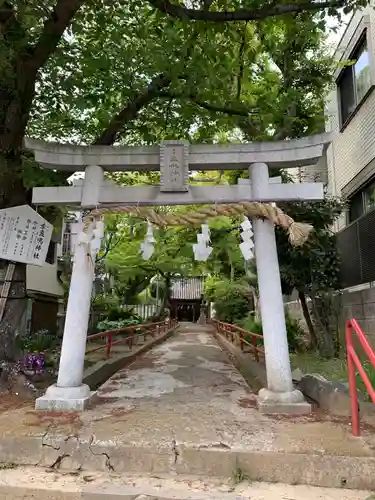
x=350, y=114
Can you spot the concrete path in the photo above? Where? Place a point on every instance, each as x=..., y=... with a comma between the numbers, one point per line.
x=188, y=392
x=182, y=408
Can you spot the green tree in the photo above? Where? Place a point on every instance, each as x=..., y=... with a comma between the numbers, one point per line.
x=313, y=269
x=101, y=72
x=172, y=257
x=232, y=299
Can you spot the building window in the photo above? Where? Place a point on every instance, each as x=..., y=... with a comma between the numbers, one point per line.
x=355, y=80
x=362, y=202
x=369, y=197
x=66, y=243
x=356, y=208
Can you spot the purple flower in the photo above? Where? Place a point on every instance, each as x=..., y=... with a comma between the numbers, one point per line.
x=34, y=362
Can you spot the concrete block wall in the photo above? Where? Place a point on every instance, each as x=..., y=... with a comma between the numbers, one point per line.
x=295, y=310
x=359, y=304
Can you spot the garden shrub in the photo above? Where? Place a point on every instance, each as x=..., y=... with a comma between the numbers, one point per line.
x=294, y=330
x=231, y=299
x=120, y=314
x=40, y=341
x=106, y=324
x=370, y=372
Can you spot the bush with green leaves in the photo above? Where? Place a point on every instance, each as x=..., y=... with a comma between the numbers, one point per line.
x=231, y=299
x=105, y=325
x=294, y=330
x=370, y=372
x=40, y=341
x=121, y=314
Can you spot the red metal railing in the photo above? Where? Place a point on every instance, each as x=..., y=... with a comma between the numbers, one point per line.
x=132, y=334
x=354, y=364
x=235, y=333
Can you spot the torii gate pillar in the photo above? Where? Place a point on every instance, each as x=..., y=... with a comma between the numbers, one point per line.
x=70, y=393
x=280, y=396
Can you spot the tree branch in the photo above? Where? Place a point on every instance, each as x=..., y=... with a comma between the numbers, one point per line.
x=108, y=247
x=130, y=111
x=272, y=10
x=8, y=19
x=241, y=58
x=217, y=108
x=53, y=29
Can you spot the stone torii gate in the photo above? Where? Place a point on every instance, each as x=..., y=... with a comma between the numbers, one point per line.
x=175, y=159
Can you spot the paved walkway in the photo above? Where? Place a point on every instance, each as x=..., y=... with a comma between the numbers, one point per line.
x=187, y=390
x=183, y=408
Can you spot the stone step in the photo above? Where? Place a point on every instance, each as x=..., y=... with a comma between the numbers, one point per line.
x=353, y=472
x=31, y=483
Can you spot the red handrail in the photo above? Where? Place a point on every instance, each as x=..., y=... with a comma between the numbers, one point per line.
x=229, y=330
x=146, y=329
x=355, y=363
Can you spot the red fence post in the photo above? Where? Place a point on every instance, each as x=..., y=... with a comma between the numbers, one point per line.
x=241, y=342
x=255, y=350
x=131, y=338
x=109, y=344
x=352, y=379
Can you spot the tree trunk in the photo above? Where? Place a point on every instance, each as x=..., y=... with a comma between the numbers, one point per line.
x=231, y=266
x=12, y=193
x=255, y=299
x=165, y=301
x=14, y=313
x=326, y=343
x=313, y=340
x=20, y=66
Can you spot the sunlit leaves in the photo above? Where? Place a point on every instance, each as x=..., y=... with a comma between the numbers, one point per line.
x=113, y=50
x=315, y=265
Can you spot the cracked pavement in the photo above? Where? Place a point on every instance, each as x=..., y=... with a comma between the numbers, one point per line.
x=183, y=408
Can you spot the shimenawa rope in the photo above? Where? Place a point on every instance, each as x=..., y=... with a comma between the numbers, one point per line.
x=298, y=232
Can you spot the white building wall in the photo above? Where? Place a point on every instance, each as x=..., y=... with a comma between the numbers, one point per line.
x=44, y=280
x=353, y=147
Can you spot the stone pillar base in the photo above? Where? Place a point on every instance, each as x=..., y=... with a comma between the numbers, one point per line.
x=290, y=403
x=72, y=399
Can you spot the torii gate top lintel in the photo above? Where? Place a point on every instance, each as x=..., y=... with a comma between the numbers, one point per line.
x=277, y=154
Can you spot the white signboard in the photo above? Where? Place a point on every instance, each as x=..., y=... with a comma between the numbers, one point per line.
x=24, y=235
x=174, y=166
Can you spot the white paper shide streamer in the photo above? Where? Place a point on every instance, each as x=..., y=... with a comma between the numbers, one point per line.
x=247, y=244
x=91, y=238
x=147, y=247
x=202, y=250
